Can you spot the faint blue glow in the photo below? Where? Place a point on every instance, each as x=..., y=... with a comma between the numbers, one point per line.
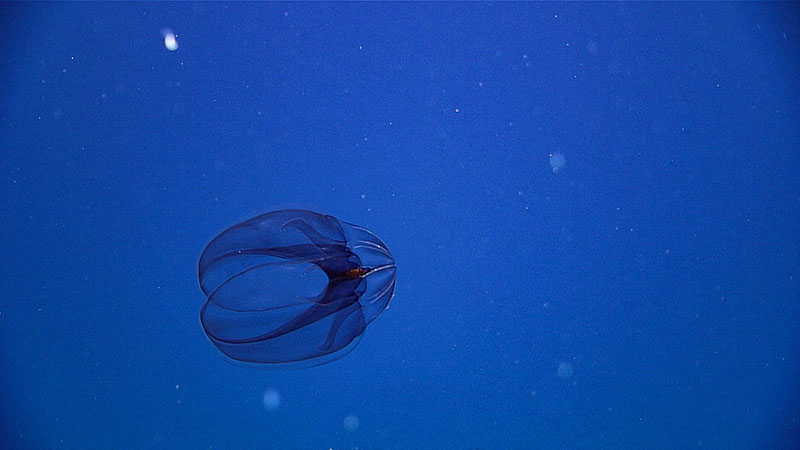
x=271, y=400
x=557, y=161
x=351, y=423
x=565, y=370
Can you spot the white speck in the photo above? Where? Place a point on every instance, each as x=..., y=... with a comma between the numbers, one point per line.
x=170, y=39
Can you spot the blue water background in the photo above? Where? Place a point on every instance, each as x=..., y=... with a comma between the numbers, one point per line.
x=644, y=296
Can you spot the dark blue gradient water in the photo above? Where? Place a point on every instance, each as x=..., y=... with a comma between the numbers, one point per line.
x=593, y=209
